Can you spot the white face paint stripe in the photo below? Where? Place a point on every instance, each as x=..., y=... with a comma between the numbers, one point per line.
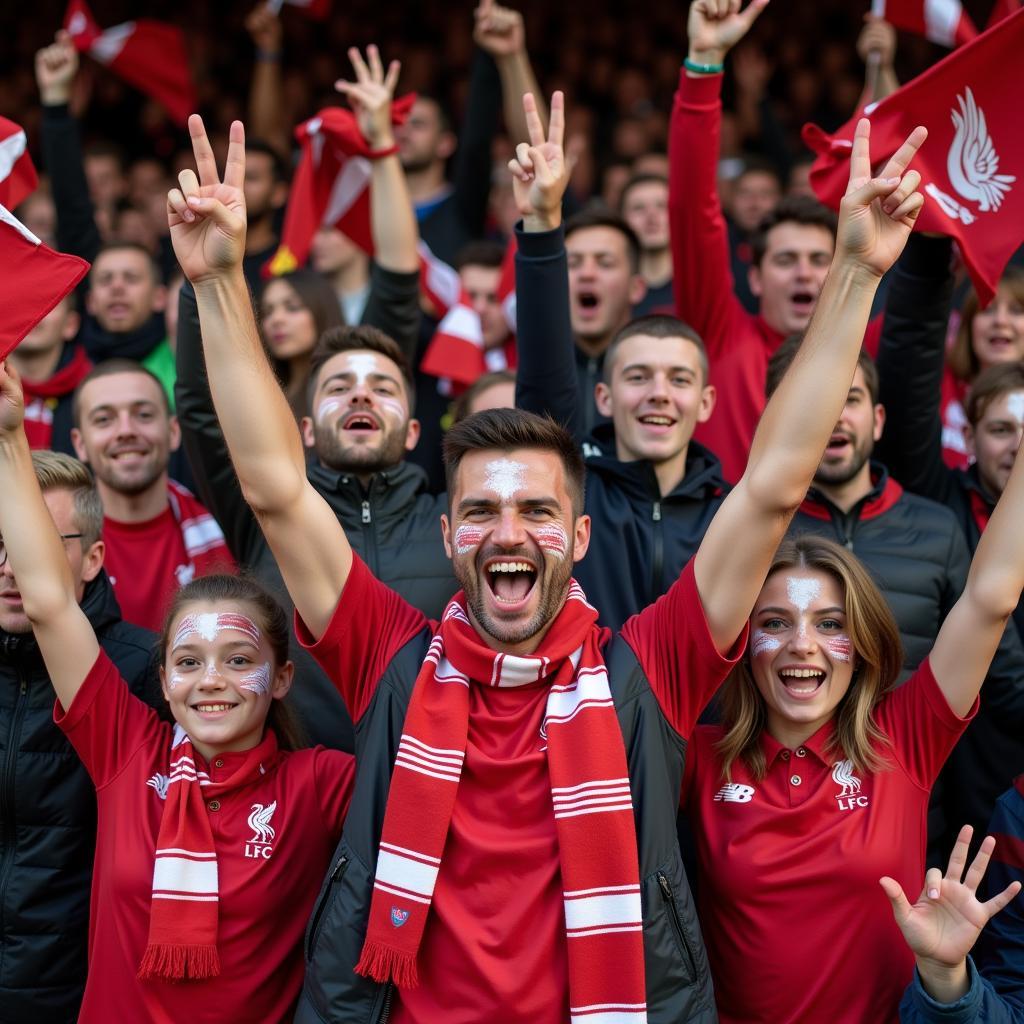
x=802, y=591
x=209, y=625
x=1015, y=406
x=257, y=681
x=467, y=538
x=505, y=477
x=553, y=538
x=762, y=642
x=839, y=647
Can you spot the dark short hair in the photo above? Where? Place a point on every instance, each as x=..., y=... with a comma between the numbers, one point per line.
x=354, y=339
x=102, y=148
x=656, y=325
x=784, y=355
x=990, y=385
x=759, y=165
x=644, y=178
x=483, y=253
x=505, y=430
x=602, y=218
x=107, y=369
x=116, y=246
x=791, y=210
x=279, y=166
x=462, y=404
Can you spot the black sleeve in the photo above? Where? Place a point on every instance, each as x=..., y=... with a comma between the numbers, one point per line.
x=203, y=440
x=394, y=307
x=472, y=172
x=62, y=156
x=911, y=357
x=546, y=370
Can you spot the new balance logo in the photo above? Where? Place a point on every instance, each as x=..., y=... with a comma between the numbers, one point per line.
x=849, y=795
x=735, y=793
x=259, y=847
x=160, y=783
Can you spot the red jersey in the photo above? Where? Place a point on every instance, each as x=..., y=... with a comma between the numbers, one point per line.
x=147, y=562
x=796, y=925
x=739, y=344
x=954, y=419
x=267, y=890
x=497, y=910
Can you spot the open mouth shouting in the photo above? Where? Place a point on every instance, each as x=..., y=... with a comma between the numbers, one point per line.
x=511, y=581
x=361, y=422
x=802, y=682
x=587, y=301
x=838, y=444
x=803, y=302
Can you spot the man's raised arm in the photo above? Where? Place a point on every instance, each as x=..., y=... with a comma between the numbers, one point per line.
x=875, y=219
x=207, y=222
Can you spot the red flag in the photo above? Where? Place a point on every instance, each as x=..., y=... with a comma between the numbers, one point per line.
x=1002, y=9
x=318, y=10
x=34, y=280
x=972, y=166
x=17, y=174
x=940, y=21
x=149, y=55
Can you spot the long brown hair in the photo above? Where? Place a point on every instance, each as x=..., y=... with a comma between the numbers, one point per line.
x=273, y=623
x=961, y=358
x=877, y=659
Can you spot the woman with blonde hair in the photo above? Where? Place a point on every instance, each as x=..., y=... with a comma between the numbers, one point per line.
x=816, y=783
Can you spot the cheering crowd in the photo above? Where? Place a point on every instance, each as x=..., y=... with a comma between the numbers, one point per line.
x=438, y=587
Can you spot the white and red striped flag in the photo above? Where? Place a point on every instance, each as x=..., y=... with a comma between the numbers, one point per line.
x=318, y=10
x=17, y=174
x=34, y=280
x=940, y=21
x=972, y=166
x=147, y=54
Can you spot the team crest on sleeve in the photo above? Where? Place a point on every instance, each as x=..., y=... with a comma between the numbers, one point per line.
x=260, y=847
x=849, y=796
x=399, y=917
x=735, y=793
x=159, y=783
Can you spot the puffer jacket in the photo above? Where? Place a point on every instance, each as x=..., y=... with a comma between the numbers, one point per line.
x=48, y=820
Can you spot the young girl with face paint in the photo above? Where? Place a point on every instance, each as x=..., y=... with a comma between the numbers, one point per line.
x=213, y=833
x=816, y=784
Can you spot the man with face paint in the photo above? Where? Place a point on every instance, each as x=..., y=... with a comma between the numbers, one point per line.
x=916, y=552
x=500, y=747
x=47, y=800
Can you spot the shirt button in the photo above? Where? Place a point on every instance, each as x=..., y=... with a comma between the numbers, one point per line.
x=801, y=752
x=785, y=755
x=214, y=805
x=219, y=763
x=795, y=779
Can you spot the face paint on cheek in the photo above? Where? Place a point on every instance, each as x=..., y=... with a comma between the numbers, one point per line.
x=505, y=477
x=174, y=681
x=328, y=410
x=467, y=538
x=763, y=643
x=1015, y=406
x=839, y=648
x=258, y=681
x=552, y=538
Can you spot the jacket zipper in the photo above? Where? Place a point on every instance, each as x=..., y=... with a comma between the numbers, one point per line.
x=658, y=561
x=385, y=1010
x=8, y=829
x=314, y=928
x=673, y=913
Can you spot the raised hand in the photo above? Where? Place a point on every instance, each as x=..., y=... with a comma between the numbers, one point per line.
x=944, y=923
x=877, y=36
x=878, y=213
x=715, y=26
x=56, y=66
x=498, y=30
x=540, y=172
x=370, y=95
x=206, y=215
x=12, y=401
x=264, y=27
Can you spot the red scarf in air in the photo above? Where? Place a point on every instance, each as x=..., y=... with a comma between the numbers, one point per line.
x=182, y=944
x=204, y=542
x=590, y=795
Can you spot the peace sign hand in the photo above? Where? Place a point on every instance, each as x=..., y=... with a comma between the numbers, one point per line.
x=540, y=172
x=877, y=213
x=206, y=215
x=370, y=95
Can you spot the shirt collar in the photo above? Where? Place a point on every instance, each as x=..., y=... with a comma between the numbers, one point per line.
x=817, y=746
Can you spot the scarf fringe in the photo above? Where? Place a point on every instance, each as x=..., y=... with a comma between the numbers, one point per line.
x=383, y=963
x=167, y=962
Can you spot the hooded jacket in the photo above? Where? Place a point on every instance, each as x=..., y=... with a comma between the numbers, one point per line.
x=48, y=819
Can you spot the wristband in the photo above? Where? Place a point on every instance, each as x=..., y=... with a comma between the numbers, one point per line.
x=377, y=154
x=703, y=69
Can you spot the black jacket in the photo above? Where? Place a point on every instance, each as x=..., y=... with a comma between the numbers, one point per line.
x=916, y=553
x=678, y=979
x=48, y=820
x=393, y=525
x=639, y=540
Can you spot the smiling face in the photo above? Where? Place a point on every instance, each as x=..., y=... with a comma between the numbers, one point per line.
x=125, y=432
x=801, y=656
x=513, y=539
x=123, y=290
x=656, y=396
x=789, y=277
x=995, y=439
x=219, y=676
x=288, y=324
x=360, y=420
x=997, y=331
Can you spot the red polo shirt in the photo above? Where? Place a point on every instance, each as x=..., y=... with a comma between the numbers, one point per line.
x=796, y=925
x=266, y=892
x=494, y=948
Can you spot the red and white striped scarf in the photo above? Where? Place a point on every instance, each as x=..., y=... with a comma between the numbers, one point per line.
x=182, y=944
x=590, y=795
x=204, y=541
